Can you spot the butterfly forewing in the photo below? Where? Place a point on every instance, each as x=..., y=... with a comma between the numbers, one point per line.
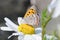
x=30, y=11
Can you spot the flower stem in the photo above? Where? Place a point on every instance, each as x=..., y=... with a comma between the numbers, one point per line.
x=44, y=27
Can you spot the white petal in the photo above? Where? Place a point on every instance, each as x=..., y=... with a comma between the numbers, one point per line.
x=16, y=34
x=13, y=34
x=20, y=37
x=56, y=14
x=50, y=37
x=6, y=29
x=29, y=37
x=38, y=30
x=52, y=5
x=37, y=37
x=19, y=20
x=57, y=10
x=12, y=27
x=10, y=36
x=32, y=37
x=8, y=25
x=10, y=22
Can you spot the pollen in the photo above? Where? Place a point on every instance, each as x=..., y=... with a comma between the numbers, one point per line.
x=26, y=29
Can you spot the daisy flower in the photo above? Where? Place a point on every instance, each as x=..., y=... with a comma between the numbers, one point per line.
x=56, y=5
x=22, y=34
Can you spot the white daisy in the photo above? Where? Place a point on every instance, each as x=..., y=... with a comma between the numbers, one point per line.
x=13, y=27
x=56, y=5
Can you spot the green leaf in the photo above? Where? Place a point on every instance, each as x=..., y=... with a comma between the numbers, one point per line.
x=44, y=12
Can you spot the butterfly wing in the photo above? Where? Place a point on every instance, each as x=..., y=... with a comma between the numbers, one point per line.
x=32, y=16
x=30, y=11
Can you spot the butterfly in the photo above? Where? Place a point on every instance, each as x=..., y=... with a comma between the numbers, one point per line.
x=29, y=21
x=32, y=16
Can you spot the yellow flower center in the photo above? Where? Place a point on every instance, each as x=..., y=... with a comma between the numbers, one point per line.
x=26, y=29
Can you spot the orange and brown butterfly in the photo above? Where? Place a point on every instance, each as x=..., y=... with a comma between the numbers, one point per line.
x=30, y=11
x=31, y=20
x=32, y=16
